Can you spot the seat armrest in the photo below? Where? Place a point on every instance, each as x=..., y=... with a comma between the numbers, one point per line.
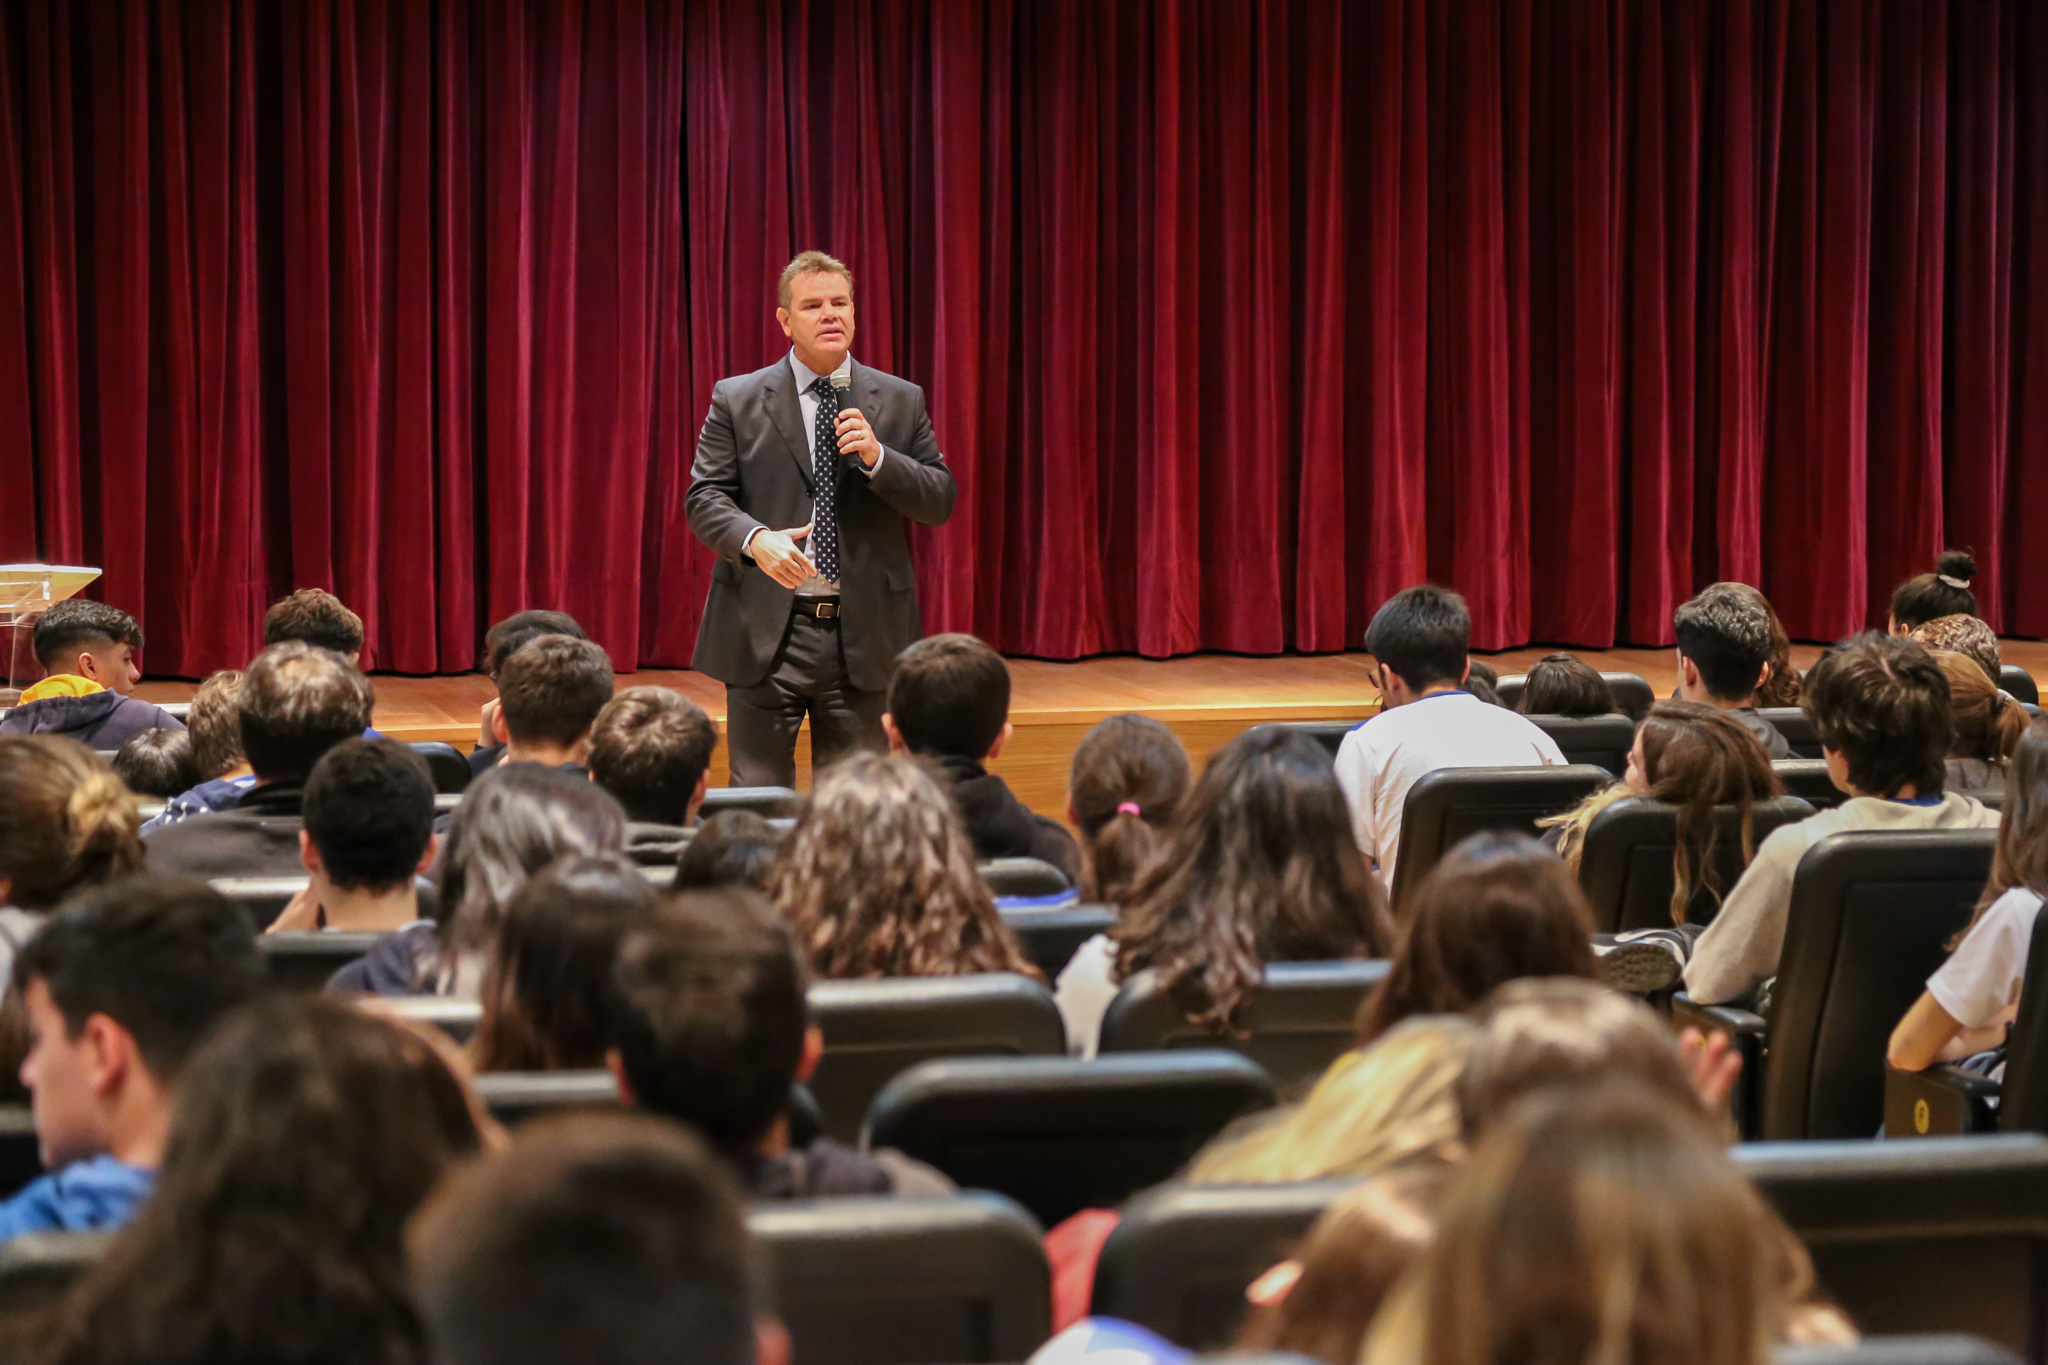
x=1942, y=1101
x=1745, y=1030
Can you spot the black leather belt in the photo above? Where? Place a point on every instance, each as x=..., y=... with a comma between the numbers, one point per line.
x=818, y=608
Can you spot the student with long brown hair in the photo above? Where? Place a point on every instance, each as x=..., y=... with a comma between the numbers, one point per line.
x=1988, y=725
x=1128, y=779
x=1565, y=685
x=69, y=823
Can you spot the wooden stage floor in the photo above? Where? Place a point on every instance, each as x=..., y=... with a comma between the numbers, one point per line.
x=1207, y=699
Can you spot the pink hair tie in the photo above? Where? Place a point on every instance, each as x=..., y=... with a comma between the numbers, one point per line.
x=1130, y=808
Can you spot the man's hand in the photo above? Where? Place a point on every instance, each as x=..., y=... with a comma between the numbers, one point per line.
x=778, y=556
x=301, y=912
x=1712, y=1064
x=857, y=437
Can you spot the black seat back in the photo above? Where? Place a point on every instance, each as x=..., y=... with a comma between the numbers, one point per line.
x=1023, y=877
x=1632, y=694
x=39, y=1269
x=516, y=1096
x=1941, y=1235
x=763, y=801
x=1450, y=804
x=1870, y=920
x=1059, y=1134
x=2019, y=684
x=21, y=1155
x=455, y=1017
x=1049, y=935
x=1807, y=779
x=2023, y=1097
x=1902, y=1350
x=887, y=1281
x=1627, y=864
x=1791, y=722
x=875, y=1030
x=1304, y=1017
x=1603, y=741
x=1328, y=733
x=303, y=960
x=445, y=763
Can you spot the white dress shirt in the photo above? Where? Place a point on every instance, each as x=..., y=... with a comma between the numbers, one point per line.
x=807, y=403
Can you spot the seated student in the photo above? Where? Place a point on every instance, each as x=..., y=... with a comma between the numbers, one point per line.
x=306, y=1135
x=1128, y=778
x=369, y=832
x=1482, y=680
x=315, y=617
x=878, y=879
x=215, y=724
x=157, y=763
x=549, y=694
x=1930, y=596
x=1255, y=870
x=69, y=824
x=1881, y=708
x=121, y=986
x=732, y=848
x=710, y=1026
x=1781, y=685
x=296, y=702
x=1988, y=724
x=1418, y=641
x=1724, y=655
x=651, y=748
x=549, y=980
x=1965, y=635
x=1565, y=685
x=501, y=642
x=949, y=702
x=1970, y=1002
x=88, y=650
x=614, y=1239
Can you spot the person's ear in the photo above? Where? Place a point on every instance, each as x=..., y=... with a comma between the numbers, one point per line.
x=896, y=745
x=499, y=730
x=617, y=1066
x=1466, y=676
x=995, y=750
x=782, y=319
x=110, y=1055
x=814, y=1052
x=431, y=856
x=1688, y=672
x=309, y=855
x=771, y=1342
x=1762, y=676
x=87, y=666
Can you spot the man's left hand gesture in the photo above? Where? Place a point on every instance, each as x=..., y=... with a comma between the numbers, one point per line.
x=856, y=437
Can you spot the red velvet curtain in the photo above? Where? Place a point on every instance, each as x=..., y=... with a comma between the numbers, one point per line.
x=1235, y=315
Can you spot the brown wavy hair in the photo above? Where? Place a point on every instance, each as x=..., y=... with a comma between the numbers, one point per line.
x=215, y=723
x=69, y=821
x=878, y=879
x=1988, y=722
x=1124, y=761
x=1781, y=685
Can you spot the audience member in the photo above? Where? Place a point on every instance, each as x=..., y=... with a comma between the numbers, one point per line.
x=1881, y=709
x=1565, y=685
x=368, y=834
x=306, y=1134
x=1988, y=725
x=157, y=763
x=1724, y=655
x=69, y=824
x=1255, y=870
x=215, y=724
x=1418, y=641
x=878, y=879
x=949, y=703
x=1483, y=682
x=547, y=987
x=1966, y=635
x=732, y=848
x=296, y=702
x=612, y=1239
x=651, y=748
x=1781, y=684
x=87, y=649
x=1128, y=778
x=314, y=617
x=549, y=694
x=501, y=642
x=121, y=986
x=1931, y=596
x=1496, y=909
x=711, y=1027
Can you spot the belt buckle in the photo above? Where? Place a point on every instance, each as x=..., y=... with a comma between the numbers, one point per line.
x=827, y=611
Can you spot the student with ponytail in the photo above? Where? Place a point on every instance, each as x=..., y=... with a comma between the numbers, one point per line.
x=1128, y=777
x=1930, y=596
x=1988, y=725
x=70, y=824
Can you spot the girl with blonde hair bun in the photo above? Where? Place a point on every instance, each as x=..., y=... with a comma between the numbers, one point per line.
x=70, y=823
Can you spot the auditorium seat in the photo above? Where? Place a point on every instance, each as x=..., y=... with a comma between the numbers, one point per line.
x=21, y=1157
x=875, y=1030
x=1807, y=779
x=1304, y=1017
x=1049, y=935
x=38, y=1269
x=177, y=710
x=1058, y=1134
x=456, y=1018
x=445, y=762
x=2019, y=684
x=1941, y=1236
x=887, y=1281
x=516, y=1096
x=304, y=961
x=763, y=801
x=1632, y=694
x=1627, y=869
x=445, y=803
x=1451, y=804
x=1895, y=1350
x=1791, y=722
x=1023, y=877
x=1328, y=733
x=1945, y=1100
x=1603, y=741
x=1870, y=920
x=148, y=808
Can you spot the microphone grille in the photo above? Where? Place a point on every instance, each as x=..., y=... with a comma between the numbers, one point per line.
x=842, y=382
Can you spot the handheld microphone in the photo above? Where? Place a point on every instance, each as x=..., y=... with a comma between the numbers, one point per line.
x=841, y=383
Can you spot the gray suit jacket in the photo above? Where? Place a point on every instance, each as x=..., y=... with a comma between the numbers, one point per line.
x=753, y=468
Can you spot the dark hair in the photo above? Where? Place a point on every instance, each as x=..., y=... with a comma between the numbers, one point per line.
x=1781, y=685
x=1565, y=685
x=306, y=1134
x=1926, y=597
x=950, y=696
x=1988, y=722
x=649, y=747
x=296, y=702
x=369, y=810
x=1497, y=908
x=1124, y=761
x=1260, y=867
x=162, y=957
x=1727, y=635
x=552, y=688
x=732, y=848
x=1882, y=702
x=64, y=631
x=513, y=821
x=613, y=1238
x=505, y=639
x=157, y=763
x=1697, y=757
x=314, y=617
x=215, y=724
x=68, y=820
x=709, y=1015
x=2020, y=858
x=1422, y=634
x=546, y=990
x=1481, y=681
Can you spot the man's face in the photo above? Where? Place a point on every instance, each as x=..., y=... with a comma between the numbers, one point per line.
x=819, y=320
x=60, y=1072
x=111, y=664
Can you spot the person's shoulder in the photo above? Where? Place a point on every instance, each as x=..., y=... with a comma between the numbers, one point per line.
x=737, y=386
x=884, y=381
x=147, y=715
x=2016, y=904
x=83, y=1197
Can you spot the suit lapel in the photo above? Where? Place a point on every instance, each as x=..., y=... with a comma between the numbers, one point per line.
x=867, y=396
x=788, y=418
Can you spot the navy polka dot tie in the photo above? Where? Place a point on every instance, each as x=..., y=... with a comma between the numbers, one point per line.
x=825, y=468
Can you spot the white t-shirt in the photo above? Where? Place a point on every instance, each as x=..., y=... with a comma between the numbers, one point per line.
x=1379, y=761
x=1085, y=987
x=1982, y=976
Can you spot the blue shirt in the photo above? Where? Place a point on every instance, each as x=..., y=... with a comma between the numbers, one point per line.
x=86, y=1196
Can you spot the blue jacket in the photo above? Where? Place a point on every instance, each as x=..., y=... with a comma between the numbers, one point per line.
x=86, y=1196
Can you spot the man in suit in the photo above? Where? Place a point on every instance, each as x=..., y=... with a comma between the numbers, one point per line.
x=802, y=487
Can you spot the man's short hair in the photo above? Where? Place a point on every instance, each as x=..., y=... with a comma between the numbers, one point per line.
x=732, y=848
x=296, y=702
x=157, y=763
x=369, y=810
x=809, y=263
x=164, y=958
x=1726, y=632
x=1884, y=705
x=65, y=631
x=709, y=1015
x=215, y=724
x=315, y=617
x=552, y=688
x=613, y=1238
x=1423, y=634
x=649, y=747
x=504, y=640
x=950, y=696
